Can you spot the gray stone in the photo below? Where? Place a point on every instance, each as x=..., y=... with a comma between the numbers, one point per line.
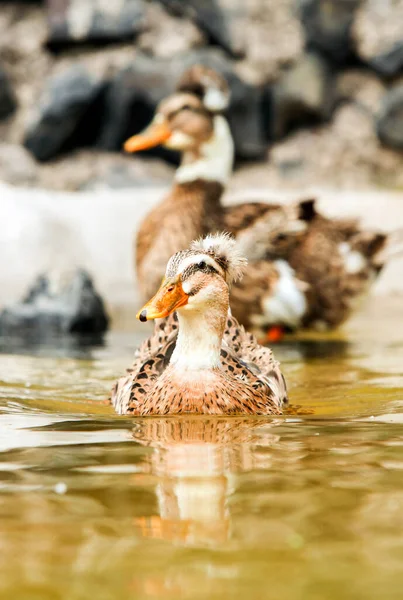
x=8, y=102
x=167, y=35
x=377, y=28
x=208, y=17
x=75, y=22
x=389, y=125
x=389, y=63
x=69, y=114
x=53, y=307
x=304, y=94
x=328, y=26
x=268, y=34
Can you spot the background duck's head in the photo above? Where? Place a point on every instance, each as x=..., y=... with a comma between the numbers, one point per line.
x=197, y=279
x=190, y=121
x=181, y=122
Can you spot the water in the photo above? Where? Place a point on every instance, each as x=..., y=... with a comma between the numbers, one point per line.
x=306, y=506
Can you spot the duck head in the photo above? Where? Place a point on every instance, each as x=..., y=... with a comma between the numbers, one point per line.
x=197, y=279
x=190, y=121
x=181, y=122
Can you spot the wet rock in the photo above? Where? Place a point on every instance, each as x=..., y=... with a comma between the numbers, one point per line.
x=207, y=15
x=8, y=103
x=75, y=22
x=389, y=124
x=55, y=306
x=134, y=93
x=378, y=31
x=328, y=27
x=303, y=95
x=69, y=114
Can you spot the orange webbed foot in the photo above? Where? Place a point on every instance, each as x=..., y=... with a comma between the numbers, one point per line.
x=275, y=334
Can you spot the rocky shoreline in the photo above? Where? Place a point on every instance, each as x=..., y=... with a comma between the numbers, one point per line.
x=317, y=92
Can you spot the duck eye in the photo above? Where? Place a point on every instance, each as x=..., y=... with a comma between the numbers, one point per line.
x=186, y=107
x=202, y=264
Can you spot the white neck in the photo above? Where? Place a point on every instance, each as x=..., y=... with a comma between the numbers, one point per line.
x=216, y=157
x=199, y=340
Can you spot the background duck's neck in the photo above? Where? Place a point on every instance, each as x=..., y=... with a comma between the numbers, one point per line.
x=199, y=339
x=214, y=160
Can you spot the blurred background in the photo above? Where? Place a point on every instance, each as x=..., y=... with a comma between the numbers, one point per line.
x=317, y=108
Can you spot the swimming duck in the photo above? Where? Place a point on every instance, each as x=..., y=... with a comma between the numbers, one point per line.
x=304, y=269
x=199, y=359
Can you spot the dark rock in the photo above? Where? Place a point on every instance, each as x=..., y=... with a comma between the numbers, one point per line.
x=8, y=102
x=207, y=15
x=133, y=95
x=328, y=25
x=389, y=123
x=74, y=308
x=303, y=95
x=69, y=114
x=390, y=63
x=74, y=22
x=131, y=99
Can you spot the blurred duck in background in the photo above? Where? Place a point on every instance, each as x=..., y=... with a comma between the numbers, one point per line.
x=305, y=270
x=199, y=359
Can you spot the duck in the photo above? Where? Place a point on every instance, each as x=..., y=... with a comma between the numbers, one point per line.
x=199, y=359
x=305, y=270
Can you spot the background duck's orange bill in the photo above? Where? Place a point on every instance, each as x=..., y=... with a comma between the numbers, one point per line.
x=154, y=135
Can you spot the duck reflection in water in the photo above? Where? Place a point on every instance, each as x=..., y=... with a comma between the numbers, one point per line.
x=196, y=460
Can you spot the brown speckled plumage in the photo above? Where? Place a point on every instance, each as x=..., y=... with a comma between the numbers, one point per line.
x=250, y=380
x=162, y=233
x=313, y=251
x=212, y=365
x=334, y=291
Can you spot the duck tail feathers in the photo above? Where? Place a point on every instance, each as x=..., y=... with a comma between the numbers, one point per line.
x=392, y=248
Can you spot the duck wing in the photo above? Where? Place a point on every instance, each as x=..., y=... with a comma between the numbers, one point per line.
x=150, y=360
x=243, y=356
x=339, y=261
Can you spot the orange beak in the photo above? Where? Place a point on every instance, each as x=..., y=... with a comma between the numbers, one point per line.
x=169, y=297
x=155, y=134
